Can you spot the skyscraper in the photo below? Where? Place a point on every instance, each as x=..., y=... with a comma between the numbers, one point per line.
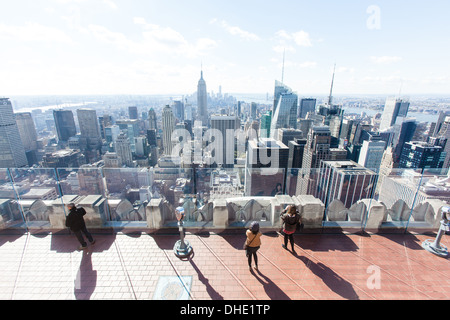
x=12, y=150
x=279, y=89
x=317, y=147
x=227, y=125
x=285, y=115
x=266, y=166
x=419, y=154
x=253, y=110
x=123, y=150
x=371, y=153
x=346, y=181
x=133, y=112
x=104, y=121
x=202, y=101
x=152, y=119
x=307, y=105
x=393, y=108
x=168, y=126
x=264, y=126
x=178, y=108
x=27, y=130
x=444, y=133
x=89, y=127
x=65, y=124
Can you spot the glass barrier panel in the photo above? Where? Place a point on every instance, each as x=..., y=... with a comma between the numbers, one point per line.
x=39, y=197
x=81, y=181
x=214, y=188
x=11, y=215
x=126, y=191
x=394, y=198
x=432, y=194
x=344, y=190
x=85, y=187
x=264, y=182
x=170, y=187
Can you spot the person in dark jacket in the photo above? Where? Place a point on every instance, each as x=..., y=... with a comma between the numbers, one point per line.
x=75, y=221
x=291, y=219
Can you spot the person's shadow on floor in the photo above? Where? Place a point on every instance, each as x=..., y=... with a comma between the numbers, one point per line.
x=272, y=290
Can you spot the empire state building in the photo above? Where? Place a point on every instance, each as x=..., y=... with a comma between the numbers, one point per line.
x=202, y=108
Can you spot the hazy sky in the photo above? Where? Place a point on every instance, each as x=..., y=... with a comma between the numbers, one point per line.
x=158, y=47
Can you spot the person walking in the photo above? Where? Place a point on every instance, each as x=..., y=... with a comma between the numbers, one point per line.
x=75, y=221
x=291, y=218
x=253, y=243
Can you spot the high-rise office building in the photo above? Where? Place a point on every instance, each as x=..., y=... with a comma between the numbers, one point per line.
x=188, y=112
x=266, y=167
x=239, y=109
x=286, y=135
x=133, y=112
x=253, y=110
x=178, y=108
x=403, y=131
x=89, y=128
x=27, y=130
x=444, y=133
x=104, y=121
x=28, y=135
x=333, y=116
x=317, y=147
x=168, y=126
x=111, y=134
x=65, y=124
x=264, y=124
x=123, y=150
x=12, y=151
x=393, y=108
x=307, y=105
x=419, y=154
x=267, y=153
x=285, y=115
x=371, y=153
x=227, y=126
x=296, y=150
x=279, y=89
x=152, y=119
x=346, y=181
x=202, y=101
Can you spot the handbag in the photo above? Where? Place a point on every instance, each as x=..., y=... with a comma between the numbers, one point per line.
x=245, y=243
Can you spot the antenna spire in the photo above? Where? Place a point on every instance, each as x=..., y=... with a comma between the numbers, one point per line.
x=201, y=69
x=400, y=90
x=330, y=98
x=282, y=71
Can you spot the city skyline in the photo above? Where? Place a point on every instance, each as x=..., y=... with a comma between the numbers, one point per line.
x=113, y=47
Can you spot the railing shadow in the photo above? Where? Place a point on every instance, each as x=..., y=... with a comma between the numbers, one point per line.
x=325, y=242
x=410, y=240
x=69, y=243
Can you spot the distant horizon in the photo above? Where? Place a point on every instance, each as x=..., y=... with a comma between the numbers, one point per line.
x=228, y=93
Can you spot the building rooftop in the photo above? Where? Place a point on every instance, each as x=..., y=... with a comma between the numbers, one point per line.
x=141, y=266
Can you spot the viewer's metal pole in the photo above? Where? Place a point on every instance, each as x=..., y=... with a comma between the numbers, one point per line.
x=182, y=248
x=435, y=246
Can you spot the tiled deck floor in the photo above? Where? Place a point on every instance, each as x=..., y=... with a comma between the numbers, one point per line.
x=121, y=266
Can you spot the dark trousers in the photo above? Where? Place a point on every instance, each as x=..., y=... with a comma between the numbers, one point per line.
x=251, y=252
x=291, y=240
x=80, y=238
